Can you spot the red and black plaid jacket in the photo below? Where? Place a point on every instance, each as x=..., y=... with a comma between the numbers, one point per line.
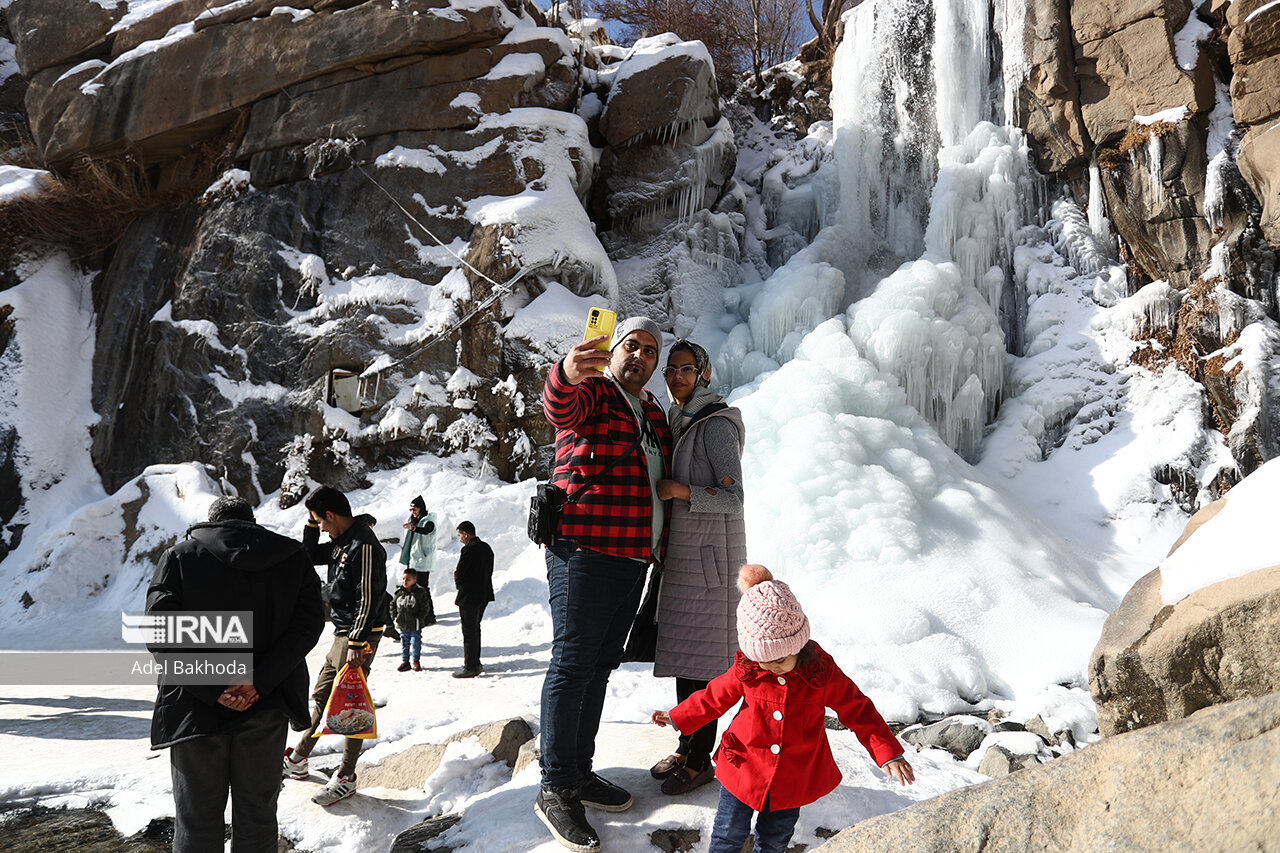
x=594, y=426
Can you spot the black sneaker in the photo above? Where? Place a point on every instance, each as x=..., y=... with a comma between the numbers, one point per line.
x=564, y=816
x=600, y=793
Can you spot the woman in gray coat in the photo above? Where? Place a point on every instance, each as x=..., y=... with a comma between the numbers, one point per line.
x=697, y=629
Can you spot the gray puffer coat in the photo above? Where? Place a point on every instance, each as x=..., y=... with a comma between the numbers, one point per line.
x=706, y=545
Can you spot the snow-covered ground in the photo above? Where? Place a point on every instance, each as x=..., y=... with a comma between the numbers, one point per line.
x=94, y=748
x=949, y=564
x=92, y=742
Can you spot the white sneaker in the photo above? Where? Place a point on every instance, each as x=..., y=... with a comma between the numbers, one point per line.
x=295, y=768
x=340, y=787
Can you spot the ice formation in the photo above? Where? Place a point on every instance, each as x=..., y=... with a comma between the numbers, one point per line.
x=995, y=340
x=885, y=154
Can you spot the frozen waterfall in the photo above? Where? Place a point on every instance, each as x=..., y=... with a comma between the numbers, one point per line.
x=870, y=364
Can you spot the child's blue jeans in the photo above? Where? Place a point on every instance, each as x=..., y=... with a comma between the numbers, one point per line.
x=733, y=823
x=407, y=637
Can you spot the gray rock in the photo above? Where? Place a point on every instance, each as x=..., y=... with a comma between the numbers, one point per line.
x=647, y=186
x=409, y=769
x=40, y=829
x=673, y=91
x=1204, y=783
x=426, y=94
x=59, y=32
x=998, y=761
x=529, y=754
x=419, y=838
x=1163, y=225
x=959, y=736
x=1036, y=725
x=675, y=840
x=1157, y=662
x=221, y=69
x=228, y=263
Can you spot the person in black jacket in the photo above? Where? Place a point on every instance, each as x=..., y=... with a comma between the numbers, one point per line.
x=358, y=603
x=227, y=736
x=474, y=580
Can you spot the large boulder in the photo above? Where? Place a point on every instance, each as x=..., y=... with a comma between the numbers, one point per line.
x=1204, y=783
x=1259, y=161
x=1158, y=661
x=1049, y=98
x=1126, y=64
x=663, y=85
x=670, y=153
x=163, y=96
x=60, y=32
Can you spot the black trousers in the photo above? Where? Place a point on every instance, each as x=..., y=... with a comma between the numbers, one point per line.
x=244, y=760
x=695, y=746
x=471, y=615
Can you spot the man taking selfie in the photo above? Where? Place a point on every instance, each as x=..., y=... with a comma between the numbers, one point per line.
x=613, y=432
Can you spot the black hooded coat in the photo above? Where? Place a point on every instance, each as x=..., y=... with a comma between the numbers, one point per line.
x=239, y=565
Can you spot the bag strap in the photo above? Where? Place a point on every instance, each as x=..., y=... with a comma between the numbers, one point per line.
x=643, y=426
x=706, y=411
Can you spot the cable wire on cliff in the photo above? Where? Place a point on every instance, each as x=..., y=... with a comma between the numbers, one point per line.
x=499, y=290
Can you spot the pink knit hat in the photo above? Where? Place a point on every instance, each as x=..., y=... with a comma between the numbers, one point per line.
x=771, y=624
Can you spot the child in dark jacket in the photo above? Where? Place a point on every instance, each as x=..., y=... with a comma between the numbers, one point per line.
x=410, y=607
x=774, y=757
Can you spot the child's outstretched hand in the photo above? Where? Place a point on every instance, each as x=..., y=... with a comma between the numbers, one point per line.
x=900, y=770
x=661, y=718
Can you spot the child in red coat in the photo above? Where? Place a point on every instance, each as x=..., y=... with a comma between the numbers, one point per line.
x=774, y=757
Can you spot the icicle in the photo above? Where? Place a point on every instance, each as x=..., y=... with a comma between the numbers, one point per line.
x=1155, y=162
x=1215, y=189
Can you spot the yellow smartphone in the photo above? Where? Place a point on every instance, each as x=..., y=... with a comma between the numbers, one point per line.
x=600, y=321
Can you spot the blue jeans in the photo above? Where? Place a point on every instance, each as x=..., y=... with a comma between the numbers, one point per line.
x=733, y=823
x=594, y=598
x=407, y=639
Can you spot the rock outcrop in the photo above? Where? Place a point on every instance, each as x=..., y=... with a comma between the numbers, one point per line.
x=1253, y=46
x=1162, y=110
x=409, y=769
x=396, y=180
x=1202, y=783
x=1157, y=662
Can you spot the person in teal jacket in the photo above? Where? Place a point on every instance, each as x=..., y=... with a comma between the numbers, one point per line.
x=418, y=551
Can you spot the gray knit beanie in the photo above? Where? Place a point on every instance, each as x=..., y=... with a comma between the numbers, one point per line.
x=636, y=324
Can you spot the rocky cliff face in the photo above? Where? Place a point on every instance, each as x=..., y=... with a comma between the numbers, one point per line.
x=1162, y=117
x=310, y=314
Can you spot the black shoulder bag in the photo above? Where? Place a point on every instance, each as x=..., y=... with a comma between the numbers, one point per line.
x=548, y=502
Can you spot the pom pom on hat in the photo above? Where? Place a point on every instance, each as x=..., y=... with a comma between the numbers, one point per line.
x=752, y=574
x=771, y=624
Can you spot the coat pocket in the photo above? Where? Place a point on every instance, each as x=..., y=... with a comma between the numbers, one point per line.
x=710, y=571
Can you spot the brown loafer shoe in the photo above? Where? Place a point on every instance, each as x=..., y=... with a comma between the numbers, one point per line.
x=667, y=766
x=685, y=780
